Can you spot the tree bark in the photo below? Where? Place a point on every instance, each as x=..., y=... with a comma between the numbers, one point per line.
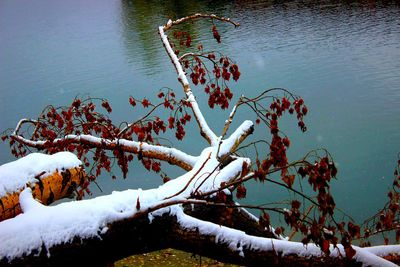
x=129, y=237
x=236, y=217
x=58, y=185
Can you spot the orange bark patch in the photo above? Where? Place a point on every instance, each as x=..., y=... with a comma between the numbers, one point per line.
x=53, y=187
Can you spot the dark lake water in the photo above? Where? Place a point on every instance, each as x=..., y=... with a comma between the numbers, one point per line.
x=343, y=59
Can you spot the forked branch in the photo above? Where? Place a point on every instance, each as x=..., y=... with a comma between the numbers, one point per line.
x=205, y=130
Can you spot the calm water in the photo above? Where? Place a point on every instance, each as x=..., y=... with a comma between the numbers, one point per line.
x=342, y=58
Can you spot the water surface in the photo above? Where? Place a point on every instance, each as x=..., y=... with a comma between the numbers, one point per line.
x=342, y=58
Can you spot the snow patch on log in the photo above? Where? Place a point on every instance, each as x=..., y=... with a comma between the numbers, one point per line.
x=239, y=241
x=384, y=250
x=15, y=175
x=42, y=225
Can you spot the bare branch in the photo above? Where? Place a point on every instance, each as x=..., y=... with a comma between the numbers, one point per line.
x=171, y=23
x=230, y=118
x=22, y=122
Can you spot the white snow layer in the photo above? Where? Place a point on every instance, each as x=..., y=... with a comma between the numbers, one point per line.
x=15, y=175
x=39, y=224
x=228, y=143
x=237, y=240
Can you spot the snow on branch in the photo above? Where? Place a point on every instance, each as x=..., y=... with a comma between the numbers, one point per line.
x=230, y=144
x=205, y=130
x=171, y=23
x=170, y=155
x=41, y=227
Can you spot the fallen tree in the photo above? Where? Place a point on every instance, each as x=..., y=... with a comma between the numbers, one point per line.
x=195, y=212
x=107, y=228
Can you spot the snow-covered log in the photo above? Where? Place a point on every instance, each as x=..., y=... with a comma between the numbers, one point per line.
x=102, y=230
x=107, y=228
x=51, y=177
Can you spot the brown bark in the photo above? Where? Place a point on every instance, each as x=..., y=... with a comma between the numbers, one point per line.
x=227, y=216
x=138, y=236
x=205, y=245
x=56, y=186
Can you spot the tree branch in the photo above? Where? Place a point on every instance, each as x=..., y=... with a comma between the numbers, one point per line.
x=205, y=130
x=171, y=23
x=170, y=155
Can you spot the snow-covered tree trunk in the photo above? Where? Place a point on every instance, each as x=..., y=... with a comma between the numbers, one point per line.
x=51, y=177
x=107, y=228
x=129, y=237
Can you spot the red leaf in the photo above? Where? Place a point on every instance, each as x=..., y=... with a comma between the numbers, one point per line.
x=286, y=141
x=296, y=204
x=325, y=246
x=245, y=169
x=264, y=220
x=145, y=102
x=288, y=179
x=241, y=192
x=156, y=166
x=386, y=241
x=76, y=103
x=279, y=230
x=221, y=196
x=166, y=179
x=132, y=101
x=216, y=34
x=138, y=204
x=171, y=122
x=107, y=107
x=304, y=110
x=350, y=252
x=188, y=41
